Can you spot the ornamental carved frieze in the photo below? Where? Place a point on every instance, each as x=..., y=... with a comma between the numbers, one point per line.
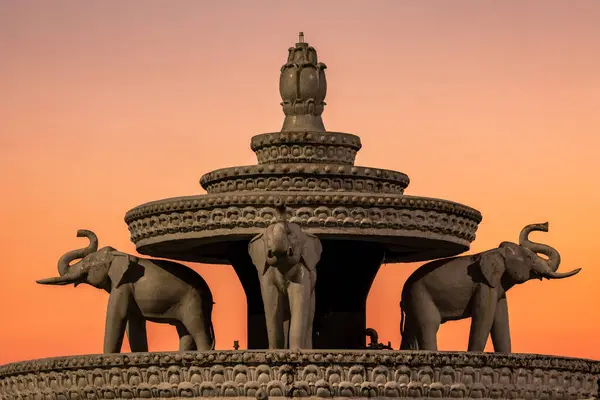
x=304, y=177
x=345, y=212
x=313, y=147
x=322, y=374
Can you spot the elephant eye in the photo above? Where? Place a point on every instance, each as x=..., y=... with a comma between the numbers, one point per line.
x=290, y=251
x=270, y=253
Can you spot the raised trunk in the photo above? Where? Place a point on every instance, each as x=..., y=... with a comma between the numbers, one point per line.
x=550, y=252
x=65, y=260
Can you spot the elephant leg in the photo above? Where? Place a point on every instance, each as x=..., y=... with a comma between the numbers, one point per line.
x=500, y=327
x=409, y=335
x=196, y=321
x=186, y=341
x=299, y=295
x=136, y=332
x=309, y=322
x=427, y=319
x=286, y=324
x=482, y=317
x=196, y=327
x=273, y=300
x=116, y=319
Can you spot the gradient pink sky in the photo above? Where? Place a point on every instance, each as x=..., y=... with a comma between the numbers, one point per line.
x=105, y=105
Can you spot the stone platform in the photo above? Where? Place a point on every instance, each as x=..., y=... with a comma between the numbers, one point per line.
x=311, y=373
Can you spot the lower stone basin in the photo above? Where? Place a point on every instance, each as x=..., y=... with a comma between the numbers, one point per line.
x=310, y=373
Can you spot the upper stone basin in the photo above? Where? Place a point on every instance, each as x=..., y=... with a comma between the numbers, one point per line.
x=199, y=228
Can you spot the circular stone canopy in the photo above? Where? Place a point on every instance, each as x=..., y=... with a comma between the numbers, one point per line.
x=313, y=171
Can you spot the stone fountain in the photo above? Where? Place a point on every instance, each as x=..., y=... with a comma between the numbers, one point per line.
x=361, y=214
x=306, y=176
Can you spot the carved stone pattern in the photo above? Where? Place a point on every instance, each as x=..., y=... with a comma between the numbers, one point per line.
x=345, y=201
x=306, y=153
x=324, y=374
x=321, y=147
x=308, y=177
x=301, y=183
x=183, y=217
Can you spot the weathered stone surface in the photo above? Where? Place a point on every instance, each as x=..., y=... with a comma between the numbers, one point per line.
x=383, y=217
x=360, y=214
x=313, y=147
x=304, y=177
x=309, y=373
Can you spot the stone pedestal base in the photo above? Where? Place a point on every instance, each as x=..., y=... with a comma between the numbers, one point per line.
x=317, y=374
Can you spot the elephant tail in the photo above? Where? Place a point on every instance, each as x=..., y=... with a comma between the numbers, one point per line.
x=407, y=331
x=402, y=314
x=212, y=336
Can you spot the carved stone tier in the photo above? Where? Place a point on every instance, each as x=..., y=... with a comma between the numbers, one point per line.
x=410, y=228
x=317, y=374
x=313, y=147
x=304, y=177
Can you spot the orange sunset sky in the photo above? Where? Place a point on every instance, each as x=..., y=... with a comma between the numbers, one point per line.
x=105, y=105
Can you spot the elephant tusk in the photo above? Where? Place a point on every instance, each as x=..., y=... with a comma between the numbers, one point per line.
x=561, y=275
x=58, y=280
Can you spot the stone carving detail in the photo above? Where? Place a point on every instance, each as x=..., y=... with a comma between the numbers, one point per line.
x=370, y=212
x=286, y=260
x=325, y=374
x=313, y=147
x=139, y=290
x=473, y=286
x=303, y=87
x=308, y=153
x=304, y=177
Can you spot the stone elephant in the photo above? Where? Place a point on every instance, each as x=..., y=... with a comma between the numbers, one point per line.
x=141, y=290
x=473, y=286
x=286, y=258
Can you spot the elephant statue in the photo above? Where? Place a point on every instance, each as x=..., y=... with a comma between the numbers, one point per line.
x=141, y=290
x=286, y=259
x=473, y=286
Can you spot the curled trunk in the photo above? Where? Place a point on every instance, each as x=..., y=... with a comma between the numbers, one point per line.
x=550, y=252
x=543, y=270
x=65, y=260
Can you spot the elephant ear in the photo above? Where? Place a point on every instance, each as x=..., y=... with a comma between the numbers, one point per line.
x=257, y=248
x=311, y=252
x=119, y=265
x=492, y=266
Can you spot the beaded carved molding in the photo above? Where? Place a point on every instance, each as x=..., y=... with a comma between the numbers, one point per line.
x=313, y=373
x=313, y=147
x=304, y=177
x=385, y=213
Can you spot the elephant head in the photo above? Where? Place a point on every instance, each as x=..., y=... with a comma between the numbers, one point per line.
x=520, y=262
x=284, y=244
x=99, y=268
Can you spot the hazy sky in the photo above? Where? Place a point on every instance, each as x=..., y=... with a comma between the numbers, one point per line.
x=105, y=105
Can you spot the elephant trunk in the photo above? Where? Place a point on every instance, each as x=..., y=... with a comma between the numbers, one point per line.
x=65, y=260
x=553, y=255
x=280, y=243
